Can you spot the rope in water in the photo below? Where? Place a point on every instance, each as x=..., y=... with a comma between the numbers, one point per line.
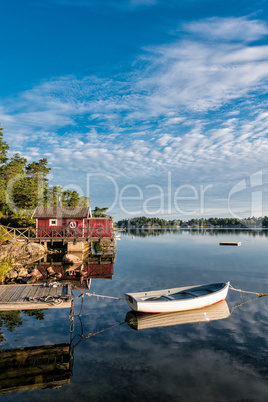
x=246, y=291
x=241, y=304
x=103, y=330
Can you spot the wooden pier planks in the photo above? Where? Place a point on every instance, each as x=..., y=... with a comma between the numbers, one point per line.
x=31, y=297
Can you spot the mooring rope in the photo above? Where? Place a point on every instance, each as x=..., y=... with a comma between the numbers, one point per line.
x=246, y=291
x=94, y=294
x=54, y=300
x=108, y=297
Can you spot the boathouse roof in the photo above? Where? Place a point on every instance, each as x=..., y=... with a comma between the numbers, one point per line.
x=62, y=212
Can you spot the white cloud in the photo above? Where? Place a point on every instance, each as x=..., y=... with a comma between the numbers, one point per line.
x=168, y=113
x=103, y=5
x=200, y=76
x=186, y=75
x=232, y=29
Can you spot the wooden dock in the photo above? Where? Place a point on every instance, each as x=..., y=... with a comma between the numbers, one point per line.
x=35, y=296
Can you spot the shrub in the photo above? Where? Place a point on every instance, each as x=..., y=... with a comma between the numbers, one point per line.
x=5, y=266
x=3, y=236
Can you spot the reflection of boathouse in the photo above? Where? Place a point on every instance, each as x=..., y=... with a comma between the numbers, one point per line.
x=96, y=262
x=41, y=367
x=87, y=270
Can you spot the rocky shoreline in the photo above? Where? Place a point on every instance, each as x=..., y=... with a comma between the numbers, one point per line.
x=26, y=252
x=20, y=254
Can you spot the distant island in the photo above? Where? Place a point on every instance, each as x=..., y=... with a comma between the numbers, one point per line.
x=147, y=222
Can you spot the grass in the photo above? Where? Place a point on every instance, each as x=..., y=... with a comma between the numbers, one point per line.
x=3, y=236
x=5, y=266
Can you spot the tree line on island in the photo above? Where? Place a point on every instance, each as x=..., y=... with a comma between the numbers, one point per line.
x=147, y=222
x=25, y=185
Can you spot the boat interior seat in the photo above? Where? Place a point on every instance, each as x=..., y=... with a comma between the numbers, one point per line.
x=191, y=293
x=170, y=297
x=209, y=290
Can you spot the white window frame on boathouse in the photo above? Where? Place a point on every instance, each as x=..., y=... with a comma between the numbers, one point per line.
x=53, y=222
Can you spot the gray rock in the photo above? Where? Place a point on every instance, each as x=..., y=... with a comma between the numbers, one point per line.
x=23, y=272
x=12, y=274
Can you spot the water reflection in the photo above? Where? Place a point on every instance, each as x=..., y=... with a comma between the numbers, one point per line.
x=216, y=360
x=138, y=321
x=50, y=366
x=77, y=267
x=12, y=320
x=31, y=368
x=97, y=267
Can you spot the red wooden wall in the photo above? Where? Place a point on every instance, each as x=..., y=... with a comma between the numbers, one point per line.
x=93, y=227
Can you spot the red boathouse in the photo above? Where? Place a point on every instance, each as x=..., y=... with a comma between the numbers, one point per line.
x=70, y=222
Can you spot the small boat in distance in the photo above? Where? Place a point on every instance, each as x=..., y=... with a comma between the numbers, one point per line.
x=177, y=299
x=230, y=243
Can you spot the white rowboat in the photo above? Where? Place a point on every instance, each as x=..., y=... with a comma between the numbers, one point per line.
x=177, y=299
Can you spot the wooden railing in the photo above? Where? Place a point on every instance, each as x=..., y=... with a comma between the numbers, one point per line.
x=15, y=233
x=56, y=233
x=66, y=233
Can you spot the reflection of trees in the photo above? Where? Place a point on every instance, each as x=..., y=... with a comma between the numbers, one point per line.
x=38, y=314
x=97, y=247
x=10, y=320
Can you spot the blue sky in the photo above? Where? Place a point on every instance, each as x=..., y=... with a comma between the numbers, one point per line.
x=150, y=107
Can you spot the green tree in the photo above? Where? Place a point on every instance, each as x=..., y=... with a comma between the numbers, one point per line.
x=54, y=196
x=27, y=185
x=36, y=173
x=70, y=198
x=4, y=147
x=84, y=201
x=38, y=167
x=13, y=172
x=99, y=212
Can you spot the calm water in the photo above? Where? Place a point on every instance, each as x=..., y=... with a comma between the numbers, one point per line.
x=219, y=360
